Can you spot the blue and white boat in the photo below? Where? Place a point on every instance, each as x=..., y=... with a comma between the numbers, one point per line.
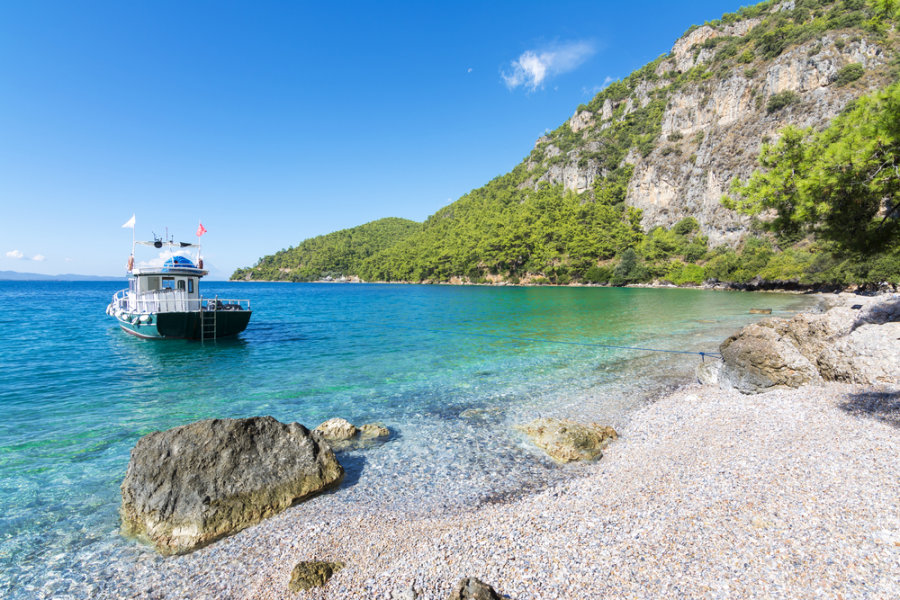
x=164, y=302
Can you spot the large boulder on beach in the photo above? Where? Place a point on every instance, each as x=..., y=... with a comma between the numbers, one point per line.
x=567, y=441
x=760, y=357
x=855, y=341
x=189, y=486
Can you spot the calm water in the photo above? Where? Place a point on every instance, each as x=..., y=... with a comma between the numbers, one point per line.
x=76, y=393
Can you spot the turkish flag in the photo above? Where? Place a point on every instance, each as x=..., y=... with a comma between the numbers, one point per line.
x=200, y=230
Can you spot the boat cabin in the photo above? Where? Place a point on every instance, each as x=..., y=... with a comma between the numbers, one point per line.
x=174, y=287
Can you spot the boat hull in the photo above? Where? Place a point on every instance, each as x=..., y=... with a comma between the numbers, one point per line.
x=184, y=325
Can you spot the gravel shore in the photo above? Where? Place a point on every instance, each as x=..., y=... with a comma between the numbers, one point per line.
x=708, y=493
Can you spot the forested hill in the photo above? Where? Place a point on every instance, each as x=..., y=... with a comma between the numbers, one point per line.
x=335, y=254
x=631, y=187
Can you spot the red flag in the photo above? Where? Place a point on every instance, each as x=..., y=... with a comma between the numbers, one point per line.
x=200, y=230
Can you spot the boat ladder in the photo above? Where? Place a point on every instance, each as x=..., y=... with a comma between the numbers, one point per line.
x=208, y=321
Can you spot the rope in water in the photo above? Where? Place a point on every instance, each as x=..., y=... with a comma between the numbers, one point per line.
x=702, y=355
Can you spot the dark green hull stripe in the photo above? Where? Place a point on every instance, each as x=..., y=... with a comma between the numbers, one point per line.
x=187, y=325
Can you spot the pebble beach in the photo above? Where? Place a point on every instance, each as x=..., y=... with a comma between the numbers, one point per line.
x=708, y=493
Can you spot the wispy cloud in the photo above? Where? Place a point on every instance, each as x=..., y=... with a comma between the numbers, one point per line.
x=39, y=258
x=593, y=91
x=164, y=255
x=14, y=254
x=534, y=67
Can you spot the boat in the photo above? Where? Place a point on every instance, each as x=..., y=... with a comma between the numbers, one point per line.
x=164, y=302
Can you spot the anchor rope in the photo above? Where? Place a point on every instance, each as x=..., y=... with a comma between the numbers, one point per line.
x=702, y=355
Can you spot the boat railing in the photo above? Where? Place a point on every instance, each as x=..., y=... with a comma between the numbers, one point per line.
x=169, y=301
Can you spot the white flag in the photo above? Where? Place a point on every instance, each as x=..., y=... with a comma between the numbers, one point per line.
x=130, y=222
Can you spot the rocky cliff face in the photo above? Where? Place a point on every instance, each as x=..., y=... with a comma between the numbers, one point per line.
x=712, y=128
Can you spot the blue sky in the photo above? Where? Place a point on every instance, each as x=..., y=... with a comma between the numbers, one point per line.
x=272, y=122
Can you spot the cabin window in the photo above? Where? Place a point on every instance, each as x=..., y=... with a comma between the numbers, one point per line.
x=190, y=286
x=168, y=283
x=181, y=284
x=152, y=283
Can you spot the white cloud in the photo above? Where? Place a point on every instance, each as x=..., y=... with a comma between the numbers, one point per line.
x=14, y=254
x=593, y=91
x=164, y=255
x=533, y=67
x=68, y=259
x=469, y=70
x=39, y=258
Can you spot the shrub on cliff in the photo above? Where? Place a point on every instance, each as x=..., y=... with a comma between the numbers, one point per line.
x=781, y=99
x=848, y=74
x=842, y=185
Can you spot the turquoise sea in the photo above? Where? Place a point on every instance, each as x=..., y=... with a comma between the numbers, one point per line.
x=436, y=364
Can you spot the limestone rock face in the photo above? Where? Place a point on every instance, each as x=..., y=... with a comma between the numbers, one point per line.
x=189, y=486
x=470, y=588
x=337, y=430
x=711, y=130
x=567, y=441
x=581, y=120
x=310, y=574
x=855, y=345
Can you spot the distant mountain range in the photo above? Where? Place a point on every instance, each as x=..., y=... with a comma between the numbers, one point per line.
x=16, y=276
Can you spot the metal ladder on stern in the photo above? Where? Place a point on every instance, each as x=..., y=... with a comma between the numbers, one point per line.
x=208, y=320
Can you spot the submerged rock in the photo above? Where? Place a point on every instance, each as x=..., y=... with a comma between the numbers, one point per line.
x=342, y=435
x=567, y=441
x=310, y=574
x=189, y=486
x=854, y=344
x=373, y=430
x=470, y=588
x=337, y=430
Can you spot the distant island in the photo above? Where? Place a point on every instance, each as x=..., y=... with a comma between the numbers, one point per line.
x=17, y=276
x=761, y=148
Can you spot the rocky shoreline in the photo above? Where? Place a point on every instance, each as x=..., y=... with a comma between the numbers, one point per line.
x=754, y=285
x=710, y=492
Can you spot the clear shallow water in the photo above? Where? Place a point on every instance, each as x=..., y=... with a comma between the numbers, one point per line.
x=76, y=393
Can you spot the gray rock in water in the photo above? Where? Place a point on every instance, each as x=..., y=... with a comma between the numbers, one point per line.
x=310, y=574
x=567, y=441
x=470, y=588
x=708, y=371
x=189, y=486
